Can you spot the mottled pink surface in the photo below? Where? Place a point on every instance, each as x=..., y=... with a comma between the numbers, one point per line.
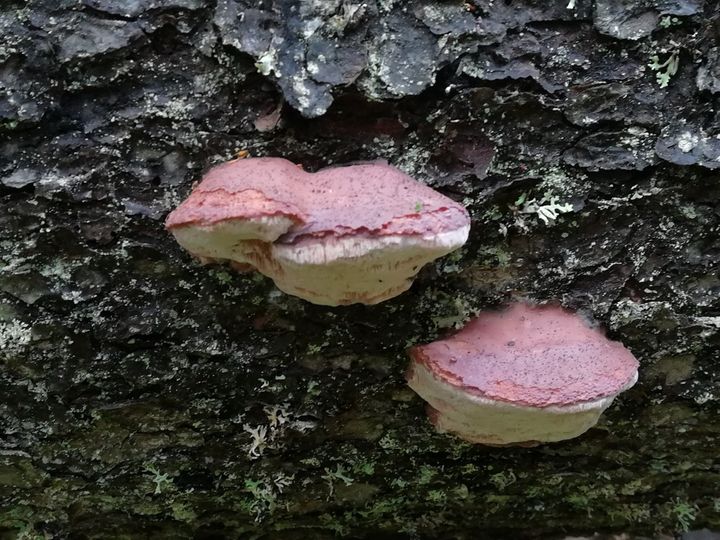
x=371, y=199
x=536, y=356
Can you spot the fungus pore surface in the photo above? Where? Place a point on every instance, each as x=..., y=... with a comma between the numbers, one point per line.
x=524, y=375
x=342, y=235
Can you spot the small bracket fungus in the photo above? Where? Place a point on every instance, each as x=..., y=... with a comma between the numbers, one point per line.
x=342, y=235
x=525, y=375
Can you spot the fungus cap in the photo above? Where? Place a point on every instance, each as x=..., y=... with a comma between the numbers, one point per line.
x=524, y=375
x=356, y=233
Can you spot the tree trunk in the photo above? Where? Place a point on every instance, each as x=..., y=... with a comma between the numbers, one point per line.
x=146, y=396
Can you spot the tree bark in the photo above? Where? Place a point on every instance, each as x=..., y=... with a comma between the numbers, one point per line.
x=143, y=395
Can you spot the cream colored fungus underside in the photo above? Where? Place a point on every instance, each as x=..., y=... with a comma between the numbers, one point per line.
x=488, y=421
x=329, y=270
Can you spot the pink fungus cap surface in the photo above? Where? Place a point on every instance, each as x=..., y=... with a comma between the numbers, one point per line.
x=534, y=356
x=521, y=359
x=369, y=219
x=373, y=198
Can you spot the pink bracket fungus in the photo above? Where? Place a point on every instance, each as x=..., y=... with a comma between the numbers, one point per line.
x=342, y=235
x=524, y=375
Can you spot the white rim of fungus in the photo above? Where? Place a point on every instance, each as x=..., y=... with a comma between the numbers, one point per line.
x=329, y=249
x=347, y=270
x=223, y=239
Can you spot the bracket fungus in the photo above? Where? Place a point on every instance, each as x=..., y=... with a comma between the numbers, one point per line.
x=524, y=375
x=342, y=235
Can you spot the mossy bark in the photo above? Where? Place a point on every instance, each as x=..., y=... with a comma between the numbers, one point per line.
x=144, y=395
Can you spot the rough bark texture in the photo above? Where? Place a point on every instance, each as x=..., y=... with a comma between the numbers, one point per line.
x=145, y=396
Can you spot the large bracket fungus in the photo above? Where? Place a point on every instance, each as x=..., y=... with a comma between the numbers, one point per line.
x=524, y=375
x=343, y=235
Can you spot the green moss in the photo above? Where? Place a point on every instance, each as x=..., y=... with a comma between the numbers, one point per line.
x=183, y=512
x=684, y=513
x=426, y=475
x=503, y=479
x=162, y=481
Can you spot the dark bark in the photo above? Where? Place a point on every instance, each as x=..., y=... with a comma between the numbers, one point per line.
x=131, y=377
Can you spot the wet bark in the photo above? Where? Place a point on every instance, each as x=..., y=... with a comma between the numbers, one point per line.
x=143, y=395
